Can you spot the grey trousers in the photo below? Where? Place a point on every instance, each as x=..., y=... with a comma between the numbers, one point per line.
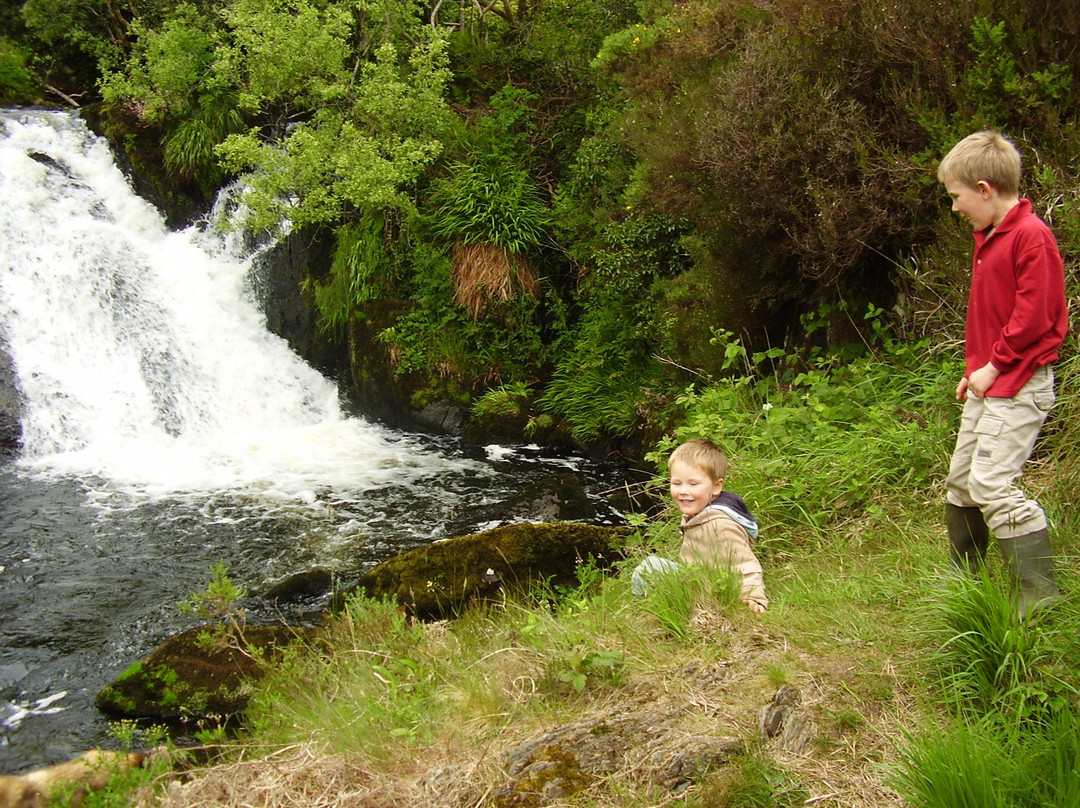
x=994, y=442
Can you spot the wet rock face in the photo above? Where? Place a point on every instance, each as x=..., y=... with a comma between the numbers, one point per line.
x=10, y=406
x=289, y=313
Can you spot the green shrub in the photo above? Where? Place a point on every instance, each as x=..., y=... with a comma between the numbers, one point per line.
x=17, y=83
x=599, y=380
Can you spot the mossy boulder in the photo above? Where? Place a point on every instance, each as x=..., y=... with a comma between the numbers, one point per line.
x=203, y=671
x=439, y=580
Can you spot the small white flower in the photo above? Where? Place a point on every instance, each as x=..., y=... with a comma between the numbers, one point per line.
x=766, y=406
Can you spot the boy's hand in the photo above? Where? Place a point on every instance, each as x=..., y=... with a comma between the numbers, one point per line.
x=982, y=380
x=756, y=606
x=961, y=389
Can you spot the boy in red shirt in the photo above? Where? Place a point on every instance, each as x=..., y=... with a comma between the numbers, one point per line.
x=1016, y=322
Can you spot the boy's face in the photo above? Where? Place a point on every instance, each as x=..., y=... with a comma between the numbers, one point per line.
x=692, y=488
x=976, y=204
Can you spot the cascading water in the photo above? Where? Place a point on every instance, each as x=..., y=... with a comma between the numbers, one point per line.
x=164, y=428
x=139, y=357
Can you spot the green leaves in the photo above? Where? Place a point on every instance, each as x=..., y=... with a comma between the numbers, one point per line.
x=339, y=129
x=16, y=82
x=489, y=203
x=289, y=53
x=362, y=152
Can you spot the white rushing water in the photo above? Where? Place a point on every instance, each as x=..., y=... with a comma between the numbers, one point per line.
x=141, y=360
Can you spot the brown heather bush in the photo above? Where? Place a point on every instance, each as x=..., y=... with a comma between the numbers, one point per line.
x=483, y=272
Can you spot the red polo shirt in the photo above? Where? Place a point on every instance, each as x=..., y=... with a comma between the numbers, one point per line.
x=1017, y=315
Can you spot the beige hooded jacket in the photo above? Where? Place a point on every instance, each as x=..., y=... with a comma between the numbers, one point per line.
x=713, y=538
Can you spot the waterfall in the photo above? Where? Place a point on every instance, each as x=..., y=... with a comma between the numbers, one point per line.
x=141, y=359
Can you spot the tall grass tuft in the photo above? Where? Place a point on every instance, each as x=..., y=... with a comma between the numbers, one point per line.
x=674, y=596
x=671, y=600
x=376, y=694
x=1010, y=738
x=987, y=763
x=988, y=659
x=984, y=654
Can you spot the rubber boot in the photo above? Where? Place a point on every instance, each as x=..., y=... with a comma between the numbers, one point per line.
x=968, y=535
x=1030, y=559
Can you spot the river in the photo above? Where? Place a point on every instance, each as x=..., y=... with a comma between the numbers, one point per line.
x=166, y=429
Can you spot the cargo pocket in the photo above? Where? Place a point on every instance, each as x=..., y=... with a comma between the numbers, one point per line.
x=990, y=426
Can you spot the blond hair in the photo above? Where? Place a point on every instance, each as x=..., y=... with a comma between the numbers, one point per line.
x=984, y=156
x=704, y=454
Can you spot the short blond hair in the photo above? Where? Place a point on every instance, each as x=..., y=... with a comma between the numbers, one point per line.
x=985, y=156
x=704, y=454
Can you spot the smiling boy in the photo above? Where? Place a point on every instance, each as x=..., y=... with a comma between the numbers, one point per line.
x=1017, y=318
x=718, y=528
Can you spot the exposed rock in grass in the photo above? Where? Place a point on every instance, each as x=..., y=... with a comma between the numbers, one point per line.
x=572, y=757
x=783, y=721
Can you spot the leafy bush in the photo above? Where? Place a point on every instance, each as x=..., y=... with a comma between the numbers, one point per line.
x=438, y=338
x=175, y=78
x=791, y=140
x=17, y=83
x=598, y=382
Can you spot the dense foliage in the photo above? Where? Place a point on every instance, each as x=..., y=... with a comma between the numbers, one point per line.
x=595, y=187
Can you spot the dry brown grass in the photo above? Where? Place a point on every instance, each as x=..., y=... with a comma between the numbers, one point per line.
x=483, y=272
x=306, y=776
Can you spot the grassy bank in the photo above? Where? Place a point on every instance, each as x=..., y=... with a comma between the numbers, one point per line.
x=918, y=688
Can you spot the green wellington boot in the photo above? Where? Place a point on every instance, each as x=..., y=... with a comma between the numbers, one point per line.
x=1030, y=559
x=968, y=535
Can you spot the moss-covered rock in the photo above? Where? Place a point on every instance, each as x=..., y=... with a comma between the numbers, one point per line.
x=439, y=580
x=199, y=672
